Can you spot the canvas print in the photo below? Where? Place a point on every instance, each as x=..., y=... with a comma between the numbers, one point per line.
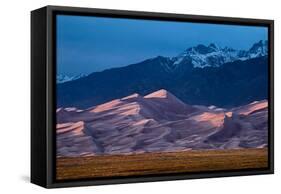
x=145, y=97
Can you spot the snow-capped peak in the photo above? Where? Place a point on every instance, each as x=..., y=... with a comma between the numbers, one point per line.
x=213, y=55
x=61, y=78
x=204, y=56
x=259, y=49
x=213, y=45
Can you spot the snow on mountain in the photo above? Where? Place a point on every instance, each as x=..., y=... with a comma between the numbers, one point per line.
x=214, y=56
x=259, y=49
x=199, y=56
x=61, y=78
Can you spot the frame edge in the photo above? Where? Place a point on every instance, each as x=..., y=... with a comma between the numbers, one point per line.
x=50, y=181
x=38, y=99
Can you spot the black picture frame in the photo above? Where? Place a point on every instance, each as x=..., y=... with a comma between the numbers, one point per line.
x=43, y=94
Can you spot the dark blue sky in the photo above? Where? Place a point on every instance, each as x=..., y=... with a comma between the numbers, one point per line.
x=88, y=44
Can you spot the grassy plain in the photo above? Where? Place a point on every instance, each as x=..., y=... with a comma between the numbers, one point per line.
x=160, y=163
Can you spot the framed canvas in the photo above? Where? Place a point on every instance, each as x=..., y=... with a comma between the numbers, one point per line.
x=126, y=96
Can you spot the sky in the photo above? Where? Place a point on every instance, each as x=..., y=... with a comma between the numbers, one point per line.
x=87, y=44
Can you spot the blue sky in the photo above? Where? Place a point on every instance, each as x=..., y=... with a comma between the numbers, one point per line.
x=88, y=44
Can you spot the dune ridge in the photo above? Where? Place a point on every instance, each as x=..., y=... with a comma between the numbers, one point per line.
x=158, y=122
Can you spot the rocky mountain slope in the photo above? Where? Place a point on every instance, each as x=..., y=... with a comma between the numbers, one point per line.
x=230, y=85
x=202, y=74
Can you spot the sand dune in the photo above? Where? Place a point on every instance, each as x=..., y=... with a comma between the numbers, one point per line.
x=158, y=122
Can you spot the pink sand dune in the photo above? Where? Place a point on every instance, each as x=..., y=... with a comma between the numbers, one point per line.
x=158, y=122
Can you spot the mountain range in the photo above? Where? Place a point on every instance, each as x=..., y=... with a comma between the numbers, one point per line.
x=204, y=75
x=158, y=122
x=62, y=78
x=214, y=56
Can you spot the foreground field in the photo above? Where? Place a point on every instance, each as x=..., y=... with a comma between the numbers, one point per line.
x=160, y=163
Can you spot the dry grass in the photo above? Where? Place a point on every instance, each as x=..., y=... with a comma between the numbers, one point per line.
x=160, y=163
